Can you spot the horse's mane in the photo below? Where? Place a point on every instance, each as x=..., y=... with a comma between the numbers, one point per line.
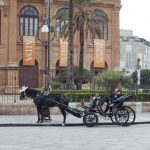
x=32, y=92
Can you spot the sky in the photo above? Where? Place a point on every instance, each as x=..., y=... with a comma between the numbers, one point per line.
x=135, y=16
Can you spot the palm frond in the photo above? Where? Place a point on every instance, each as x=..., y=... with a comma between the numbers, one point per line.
x=83, y=18
x=98, y=32
x=61, y=16
x=99, y=14
x=64, y=32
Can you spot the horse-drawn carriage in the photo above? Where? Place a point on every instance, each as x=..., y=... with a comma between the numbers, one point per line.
x=118, y=113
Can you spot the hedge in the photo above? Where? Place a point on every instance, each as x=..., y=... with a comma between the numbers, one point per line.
x=79, y=95
x=143, y=97
x=76, y=95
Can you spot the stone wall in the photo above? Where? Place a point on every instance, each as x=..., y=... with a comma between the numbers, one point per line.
x=30, y=109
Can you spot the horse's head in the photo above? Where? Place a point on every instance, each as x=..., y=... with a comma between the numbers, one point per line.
x=26, y=92
x=23, y=93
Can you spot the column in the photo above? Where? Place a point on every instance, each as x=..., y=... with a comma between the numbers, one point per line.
x=12, y=34
x=12, y=68
x=116, y=37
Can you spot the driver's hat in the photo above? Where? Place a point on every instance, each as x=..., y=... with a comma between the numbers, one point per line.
x=23, y=88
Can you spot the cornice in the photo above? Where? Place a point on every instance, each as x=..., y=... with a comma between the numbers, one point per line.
x=117, y=7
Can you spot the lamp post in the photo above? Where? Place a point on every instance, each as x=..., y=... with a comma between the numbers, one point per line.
x=138, y=72
x=138, y=68
x=46, y=27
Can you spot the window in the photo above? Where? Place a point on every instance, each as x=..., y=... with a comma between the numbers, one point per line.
x=28, y=21
x=59, y=27
x=103, y=26
x=104, y=29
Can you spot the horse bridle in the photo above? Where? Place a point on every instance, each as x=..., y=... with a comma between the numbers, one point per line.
x=25, y=95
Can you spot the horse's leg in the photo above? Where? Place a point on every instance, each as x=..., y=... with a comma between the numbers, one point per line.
x=41, y=114
x=64, y=115
x=38, y=113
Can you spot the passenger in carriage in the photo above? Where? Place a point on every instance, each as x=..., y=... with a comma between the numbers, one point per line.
x=109, y=99
x=116, y=94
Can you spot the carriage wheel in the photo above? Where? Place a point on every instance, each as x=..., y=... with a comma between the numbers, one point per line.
x=113, y=119
x=132, y=115
x=90, y=119
x=122, y=116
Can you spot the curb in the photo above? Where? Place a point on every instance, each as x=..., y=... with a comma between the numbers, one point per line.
x=59, y=125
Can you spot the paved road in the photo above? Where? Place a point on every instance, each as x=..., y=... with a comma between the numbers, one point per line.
x=57, y=119
x=102, y=137
x=135, y=137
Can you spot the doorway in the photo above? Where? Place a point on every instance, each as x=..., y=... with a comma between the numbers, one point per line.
x=28, y=75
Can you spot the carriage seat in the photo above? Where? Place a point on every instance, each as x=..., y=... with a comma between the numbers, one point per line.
x=123, y=98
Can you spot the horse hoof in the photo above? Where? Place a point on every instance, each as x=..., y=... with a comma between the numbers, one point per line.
x=63, y=124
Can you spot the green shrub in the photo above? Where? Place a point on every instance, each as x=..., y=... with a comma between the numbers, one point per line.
x=56, y=85
x=78, y=95
x=113, y=79
x=143, y=97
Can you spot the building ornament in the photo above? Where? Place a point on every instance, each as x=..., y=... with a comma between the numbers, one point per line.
x=117, y=7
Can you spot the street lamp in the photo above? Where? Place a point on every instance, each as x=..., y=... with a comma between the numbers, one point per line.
x=138, y=72
x=47, y=28
x=138, y=68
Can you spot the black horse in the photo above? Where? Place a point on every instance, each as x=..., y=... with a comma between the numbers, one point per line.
x=49, y=100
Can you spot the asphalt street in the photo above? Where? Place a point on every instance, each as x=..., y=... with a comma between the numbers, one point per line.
x=101, y=137
x=57, y=119
x=135, y=137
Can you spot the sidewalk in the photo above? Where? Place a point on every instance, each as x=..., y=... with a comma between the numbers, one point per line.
x=30, y=120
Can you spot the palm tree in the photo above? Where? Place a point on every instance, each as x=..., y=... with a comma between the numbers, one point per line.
x=69, y=77
x=84, y=20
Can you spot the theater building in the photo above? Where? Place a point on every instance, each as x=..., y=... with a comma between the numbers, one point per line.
x=20, y=21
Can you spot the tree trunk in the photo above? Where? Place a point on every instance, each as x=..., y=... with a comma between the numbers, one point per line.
x=69, y=76
x=80, y=78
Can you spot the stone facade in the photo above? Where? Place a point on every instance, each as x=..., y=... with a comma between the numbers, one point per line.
x=11, y=44
x=133, y=48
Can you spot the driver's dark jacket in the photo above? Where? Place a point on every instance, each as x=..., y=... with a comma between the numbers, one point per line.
x=114, y=96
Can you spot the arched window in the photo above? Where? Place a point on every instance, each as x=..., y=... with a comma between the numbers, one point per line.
x=63, y=11
x=103, y=26
x=28, y=21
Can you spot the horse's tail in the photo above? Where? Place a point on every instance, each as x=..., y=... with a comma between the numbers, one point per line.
x=65, y=100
